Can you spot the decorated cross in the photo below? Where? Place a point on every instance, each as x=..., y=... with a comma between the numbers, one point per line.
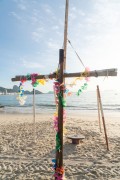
x=61, y=75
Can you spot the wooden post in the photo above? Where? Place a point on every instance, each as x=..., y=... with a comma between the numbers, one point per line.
x=95, y=73
x=65, y=33
x=59, y=153
x=34, y=128
x=98, y=104
x=103, y=119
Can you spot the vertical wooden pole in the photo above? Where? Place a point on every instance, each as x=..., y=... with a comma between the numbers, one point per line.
x=65, y=32
x=103, y=119
x=98, y=104
x=34, y=128
x=59, y=153
x=62, y=63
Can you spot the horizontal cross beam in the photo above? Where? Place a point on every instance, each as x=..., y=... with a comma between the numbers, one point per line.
x=95, y=73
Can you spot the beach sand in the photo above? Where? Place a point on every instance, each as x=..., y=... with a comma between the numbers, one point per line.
x=21, y=158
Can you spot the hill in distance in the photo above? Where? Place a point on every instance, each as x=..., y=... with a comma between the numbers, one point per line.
x=15, y=90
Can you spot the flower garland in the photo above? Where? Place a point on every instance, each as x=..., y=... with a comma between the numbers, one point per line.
x=35, y=82
x=59, y=172
x=83, y=76
x=21, y=98
x=84, y=86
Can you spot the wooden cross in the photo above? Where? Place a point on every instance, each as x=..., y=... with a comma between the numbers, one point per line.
x=62, y=76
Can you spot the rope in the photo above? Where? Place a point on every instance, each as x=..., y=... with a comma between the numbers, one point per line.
x=106, y=75
x=76, y=54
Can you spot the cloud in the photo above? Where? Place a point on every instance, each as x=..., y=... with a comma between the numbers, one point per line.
x=30, y=64
x=55, y=27
x=104, y=17
x=95, y=36
x=22, y=6
x=47, y=8
x=72, y=16
x=53, y=45
x=16, y=15
x=38, y=34
x=34, y=20
x=99, y=22
x=74, y=12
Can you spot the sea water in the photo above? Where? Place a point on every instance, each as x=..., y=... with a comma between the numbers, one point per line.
x=86, y=102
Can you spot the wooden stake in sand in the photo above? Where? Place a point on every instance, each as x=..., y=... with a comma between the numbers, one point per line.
x=98, y=104
x=103, y=119
x=34, y=126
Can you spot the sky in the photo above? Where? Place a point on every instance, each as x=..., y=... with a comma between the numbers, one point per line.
x=32, y=32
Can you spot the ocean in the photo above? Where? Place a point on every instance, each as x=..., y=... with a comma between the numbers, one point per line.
x=86, y=102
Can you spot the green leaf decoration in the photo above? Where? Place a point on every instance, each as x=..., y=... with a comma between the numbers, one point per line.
x=85, y=84
x=57, y=142
x=28, y=76
x=63, y=102
x=82, y=87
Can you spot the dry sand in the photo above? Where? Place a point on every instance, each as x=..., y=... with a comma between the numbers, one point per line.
x=22, y=159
